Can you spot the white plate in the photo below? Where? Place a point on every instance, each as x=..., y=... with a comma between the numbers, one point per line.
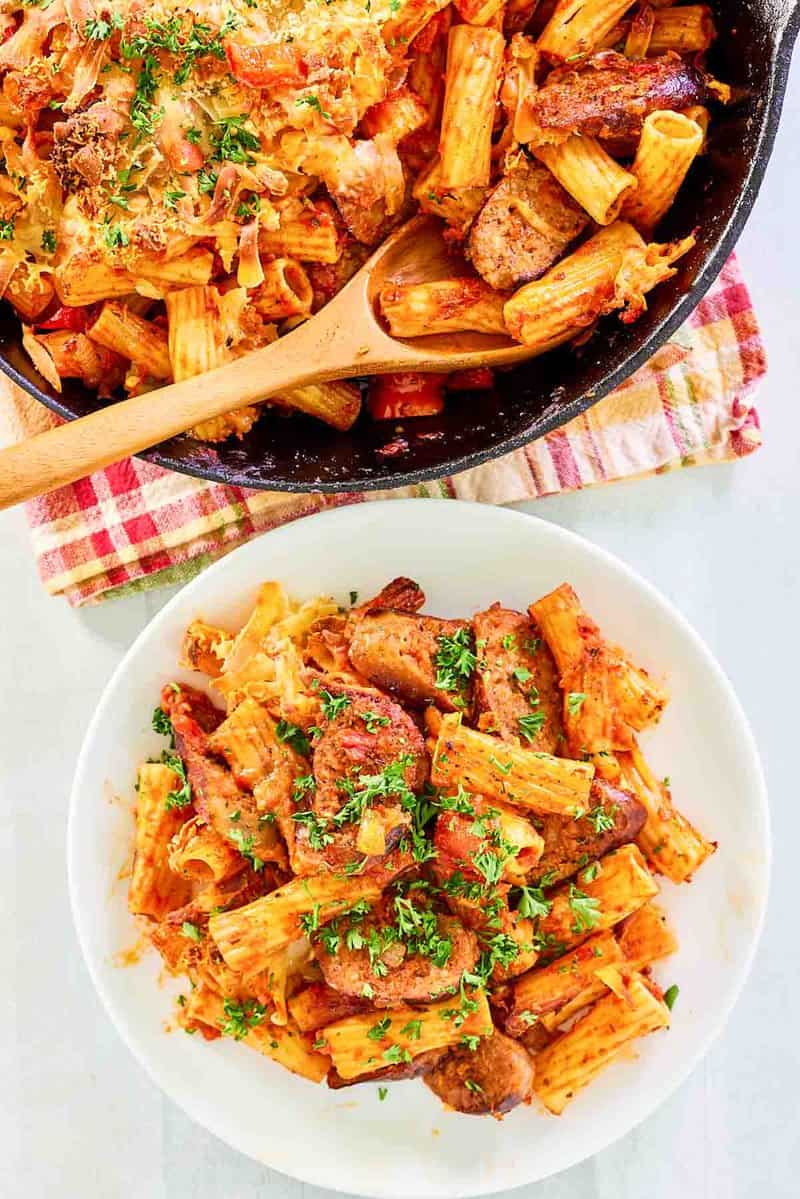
x=465, y=556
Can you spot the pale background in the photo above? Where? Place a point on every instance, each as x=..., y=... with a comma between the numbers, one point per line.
x=78, y=1117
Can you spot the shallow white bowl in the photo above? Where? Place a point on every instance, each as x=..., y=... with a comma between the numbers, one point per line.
x=465, y=557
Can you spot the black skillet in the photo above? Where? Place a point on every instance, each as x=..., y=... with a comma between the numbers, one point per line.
x=752, y=53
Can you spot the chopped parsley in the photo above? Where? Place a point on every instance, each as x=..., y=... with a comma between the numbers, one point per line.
x=114, y=236
x=412, y=1030
x=334, y=705
x=353, y=598
x=382, y=1093
x=49, y=241
x=373, y=721
x=100, y=29
x=533, y=903
x=379, y=1030
x=527, y=1018
x=294, y=736
x=162, y=724
x=206, y=180
x=670, y=995
x=181, y=797
x=241, y=1017
x=470, y=1042
x=473, y=1086
x=314, y=103
x=232, y=142
x=575, y=701
x=171, y=197
x=191, y=931
x=455, y=661
x=303, y=785
x=531, y=724
x=395, y=1055
x=246, y=843
x=602, y=821
x=503, y=767
x=509, y=642
x=585, y=909
x=522, y=674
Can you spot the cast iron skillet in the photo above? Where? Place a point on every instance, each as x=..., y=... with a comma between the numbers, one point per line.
x=752, y=53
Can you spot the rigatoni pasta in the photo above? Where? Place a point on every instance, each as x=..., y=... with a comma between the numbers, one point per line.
x=362, y=890
x=669, y=144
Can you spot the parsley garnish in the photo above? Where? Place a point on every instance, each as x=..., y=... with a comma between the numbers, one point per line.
x=670, y=995
x=171, y=197
x=241, y=1017
x=531, y=724
x=206, y=180
x=115, y=236
x=333, y=705
x=293, y=735
x=382, y=1093
x=574, y=702
x=509, y=642
x=602, y=821
x=532, y=902
x=373, y=721
x=245, y=843
x=585, y=908
x=162, y=724
x=471, y=1085
x=232, y=142
x=353, y=598
x=412, y=1030
x=522, y=674
x=182, y=796
x=455, y=661
x=470, y=1042
x=49, y=241
x=303, y=786
x=6, y=230
x=394, y=1055
x=98, y=29
x=313, y=102
x=191, y=931
x=379, y=1030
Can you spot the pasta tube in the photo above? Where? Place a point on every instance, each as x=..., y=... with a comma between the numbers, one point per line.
x=590, y=175
x=248, y=742
x=687, y=29
x=445, y=306
x=499, y=770
x=643, y=938
x=337, y=402
x=154, y=889
x=409, y=20
x=613, y=269
x=578, y=1056
x=669, y=144
x=247, y=1021
x=457, y=206
x=201, y=643
x=309, y=234
x=620, y=886
x=670, y=842
x=286, y=290
x=367, y=1042
x=549, y=988
x=472, y=79
x=144, y=343
x=247, y=936
x=197, y=852
x=577, y=27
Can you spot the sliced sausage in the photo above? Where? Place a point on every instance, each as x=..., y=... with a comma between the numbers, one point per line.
x=366, y=734
x=408, y=976
x=523, y=228
x=610, y=95
x=570, y=844
x=490, y=1080
x=398, y=651
x=517, y=681
x=232, y=812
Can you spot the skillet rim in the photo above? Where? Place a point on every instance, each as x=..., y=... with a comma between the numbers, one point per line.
x=786, y=29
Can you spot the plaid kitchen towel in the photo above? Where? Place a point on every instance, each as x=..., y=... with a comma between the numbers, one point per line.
x=135, y=526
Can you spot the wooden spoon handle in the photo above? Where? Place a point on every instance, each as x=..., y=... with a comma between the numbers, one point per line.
x=79, y=447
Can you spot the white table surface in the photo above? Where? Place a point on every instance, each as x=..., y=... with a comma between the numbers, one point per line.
x=79, y=1118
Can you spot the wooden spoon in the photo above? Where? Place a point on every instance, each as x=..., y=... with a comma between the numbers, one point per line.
x=345, y=339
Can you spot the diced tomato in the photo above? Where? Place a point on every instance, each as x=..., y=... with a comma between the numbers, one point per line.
x=74, y=319
x=393, y=397
x=480, y=378
x=277, y=65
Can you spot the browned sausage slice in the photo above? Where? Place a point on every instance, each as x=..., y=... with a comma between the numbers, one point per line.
x=610, y=95
x=491, y=1080
x=403, y=975
x=517, y=681
x=398, y=652
x=523, y=228
x=364, y=734
x=615, y=817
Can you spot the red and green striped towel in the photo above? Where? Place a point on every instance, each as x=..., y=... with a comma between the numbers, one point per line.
x=135, y=526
